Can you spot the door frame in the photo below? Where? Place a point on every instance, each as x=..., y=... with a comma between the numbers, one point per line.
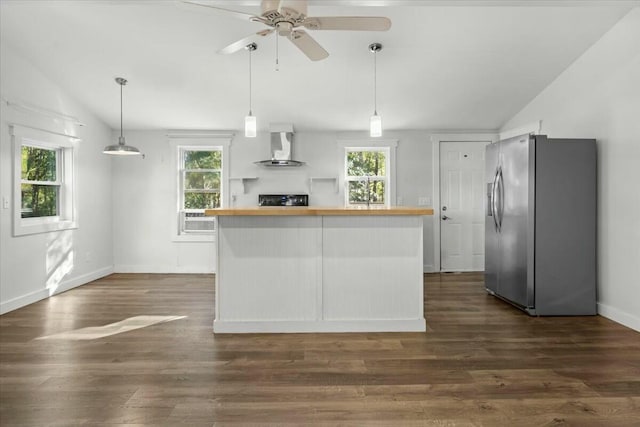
x=436, y=140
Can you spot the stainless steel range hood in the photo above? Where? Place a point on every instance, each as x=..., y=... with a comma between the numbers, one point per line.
x=281, y=147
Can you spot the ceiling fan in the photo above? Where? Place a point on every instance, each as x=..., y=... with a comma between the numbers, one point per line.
x=288, y=17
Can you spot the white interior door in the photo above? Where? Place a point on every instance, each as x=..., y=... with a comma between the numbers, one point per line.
x=462, y=205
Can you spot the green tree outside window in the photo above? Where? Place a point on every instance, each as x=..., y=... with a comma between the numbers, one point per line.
x=202, y=171
x=201, y=176
x=366, y=176
x=40, y=186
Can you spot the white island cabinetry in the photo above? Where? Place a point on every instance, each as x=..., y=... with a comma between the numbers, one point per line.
x=319, y=270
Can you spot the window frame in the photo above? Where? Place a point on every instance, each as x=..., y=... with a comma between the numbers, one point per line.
x=65, y=146
x=364, y=178
x=185, y=141
x=386, y=146
x=57, y=183
x=182, y=149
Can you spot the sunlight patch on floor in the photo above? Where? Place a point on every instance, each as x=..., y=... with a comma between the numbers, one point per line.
x=126, y=325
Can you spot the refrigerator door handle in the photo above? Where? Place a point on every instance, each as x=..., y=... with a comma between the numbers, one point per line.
x=500, y=204
x=494, y=210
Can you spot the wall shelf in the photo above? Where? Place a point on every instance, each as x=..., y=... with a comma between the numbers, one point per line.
x=243, y=181
x=323, y=178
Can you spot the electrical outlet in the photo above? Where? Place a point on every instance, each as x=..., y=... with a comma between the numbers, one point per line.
x=399, y=201
x=5, y=203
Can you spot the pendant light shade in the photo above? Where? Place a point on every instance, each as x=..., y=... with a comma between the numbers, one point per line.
x=250, y=122
x=121, y=148
x=250, y=125
x=375, y=123
x=375, y=126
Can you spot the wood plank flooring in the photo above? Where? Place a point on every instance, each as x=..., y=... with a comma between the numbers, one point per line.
x=481, y=363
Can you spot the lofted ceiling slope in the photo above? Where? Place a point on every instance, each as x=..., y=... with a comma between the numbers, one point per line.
x=447, y=66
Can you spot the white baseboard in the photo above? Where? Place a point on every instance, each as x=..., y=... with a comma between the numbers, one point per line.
x=304, y=326
x=21, y=301
x=463, y=270
x=30, y=298
x=65, y=285
x=428, y=268
x=627, y=319
x=164, y=269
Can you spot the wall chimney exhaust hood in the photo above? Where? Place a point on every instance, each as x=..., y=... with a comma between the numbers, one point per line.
x=281, y=147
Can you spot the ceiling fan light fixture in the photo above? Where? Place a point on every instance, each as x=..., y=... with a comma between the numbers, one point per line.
x=289, y=18
x=250, y=121
x=375, y=123
x=121, y=148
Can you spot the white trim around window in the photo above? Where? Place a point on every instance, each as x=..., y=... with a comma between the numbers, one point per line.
x=65, y=148
x=388, y=145
x=202, y=140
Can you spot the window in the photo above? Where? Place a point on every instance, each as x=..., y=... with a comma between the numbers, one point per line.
x=369, y=171
x=40, y=183
x=201, y=182
x=366, y=176
x=43, y=181
x=200, y=175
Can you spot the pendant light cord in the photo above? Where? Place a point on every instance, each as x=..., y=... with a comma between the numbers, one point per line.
x=375, y=83
x=121, y=110
x=250, y=50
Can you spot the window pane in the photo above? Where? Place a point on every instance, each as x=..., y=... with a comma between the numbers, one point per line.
x=203, y=159
x=39, y=201
x=38, y=164
x=365, y=163
x=201, y=200
x=202, y=180
x=358, y=192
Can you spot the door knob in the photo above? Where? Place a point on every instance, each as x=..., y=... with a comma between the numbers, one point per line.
x=444, y=217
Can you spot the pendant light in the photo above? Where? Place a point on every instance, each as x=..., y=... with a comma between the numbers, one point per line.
x=250, y=124
x=121, y=149
x=375, y=124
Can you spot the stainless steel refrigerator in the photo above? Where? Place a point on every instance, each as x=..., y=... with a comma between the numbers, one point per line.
x=540, y=225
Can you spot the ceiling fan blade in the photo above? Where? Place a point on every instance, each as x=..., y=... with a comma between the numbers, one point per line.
x=228, y=12
x=241, y=44
x=297, y=6
x=308, y=45
x=349, y=23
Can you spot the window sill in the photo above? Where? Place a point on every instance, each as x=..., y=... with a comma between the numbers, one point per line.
x=194, y=238
x=43, y=227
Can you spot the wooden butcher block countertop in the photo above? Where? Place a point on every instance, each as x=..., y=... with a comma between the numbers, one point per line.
x=319, y=211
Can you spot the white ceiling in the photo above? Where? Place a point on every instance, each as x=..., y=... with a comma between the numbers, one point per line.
x=469, y=66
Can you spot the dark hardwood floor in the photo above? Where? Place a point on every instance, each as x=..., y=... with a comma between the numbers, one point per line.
x=481, y=362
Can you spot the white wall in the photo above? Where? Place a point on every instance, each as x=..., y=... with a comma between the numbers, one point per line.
x=144, y=192
x=144, y=211
x=599, y=97
x=28, y=262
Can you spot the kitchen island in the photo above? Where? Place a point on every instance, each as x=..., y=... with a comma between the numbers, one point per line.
x=319, y=269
